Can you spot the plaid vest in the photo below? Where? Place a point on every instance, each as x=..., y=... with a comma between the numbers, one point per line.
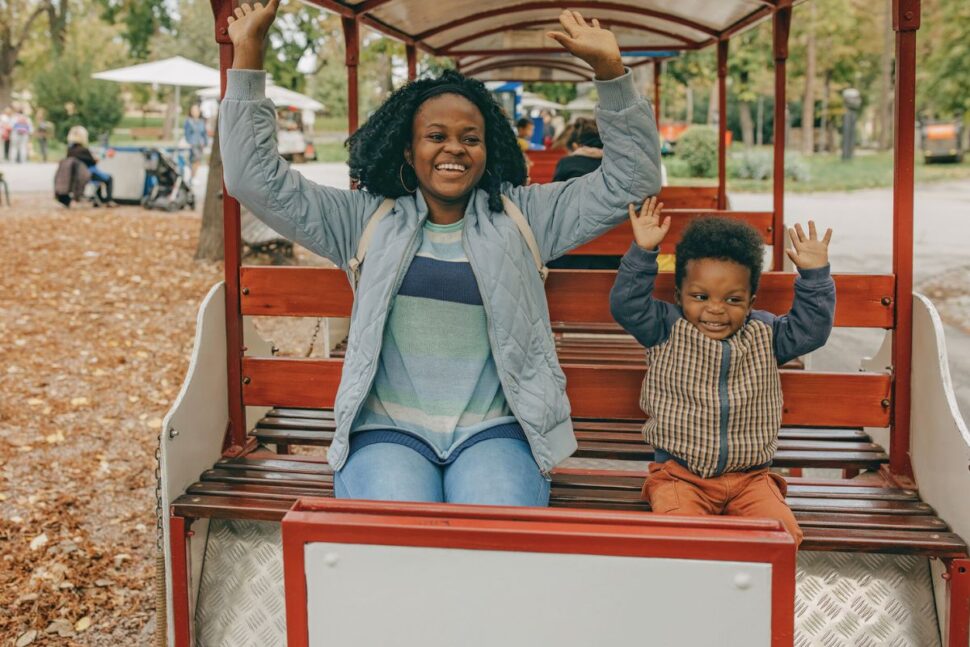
x=714, y=405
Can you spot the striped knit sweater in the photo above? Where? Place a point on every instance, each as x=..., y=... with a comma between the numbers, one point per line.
x=436, y=380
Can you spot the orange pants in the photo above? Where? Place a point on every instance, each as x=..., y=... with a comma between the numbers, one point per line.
x=673, y=489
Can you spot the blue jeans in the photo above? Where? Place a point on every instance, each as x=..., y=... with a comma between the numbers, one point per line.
x=499, y=471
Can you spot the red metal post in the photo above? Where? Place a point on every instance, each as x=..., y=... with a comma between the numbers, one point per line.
x=178, y=542
x=412, y=54
x=906, y=21
x=958, y=623
x=722, y=69
x=235, y=440
x=781, y=26
x=657, y=70
x=351, y=59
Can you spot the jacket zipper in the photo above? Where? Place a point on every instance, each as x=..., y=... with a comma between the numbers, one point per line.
x=722, y=395
x=495, y=356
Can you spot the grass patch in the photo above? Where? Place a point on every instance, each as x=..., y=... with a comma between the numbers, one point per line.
x=827, y=172
x=330, y=152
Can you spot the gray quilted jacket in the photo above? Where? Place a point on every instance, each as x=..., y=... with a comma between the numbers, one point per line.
x=563, y=215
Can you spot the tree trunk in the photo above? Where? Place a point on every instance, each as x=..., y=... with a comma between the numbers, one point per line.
x=689, y=96
x=808, y=103
x=759, y=134
x=712, y=105
x=747, y=125
x=826, y=129
x=884, y=107
x=210, y=247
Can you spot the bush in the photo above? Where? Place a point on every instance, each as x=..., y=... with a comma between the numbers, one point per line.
x=698, y=148
x=71, y=97
x=750, y=165
x=796, y=168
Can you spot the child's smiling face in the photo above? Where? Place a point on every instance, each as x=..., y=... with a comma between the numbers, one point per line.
x=715, y=296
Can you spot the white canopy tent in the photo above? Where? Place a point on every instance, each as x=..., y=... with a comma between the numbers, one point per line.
x=176, y=71
x=279, y=96
x=532, y=100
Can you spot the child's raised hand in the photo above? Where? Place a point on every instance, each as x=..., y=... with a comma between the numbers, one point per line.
x=249, y=24
x=648, y=230
x=808, y=252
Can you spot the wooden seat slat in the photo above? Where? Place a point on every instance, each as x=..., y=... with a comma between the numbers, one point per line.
x=939, y=544
x=804, y=504
x=884, y=521
x=197, y=506
x=573, y=295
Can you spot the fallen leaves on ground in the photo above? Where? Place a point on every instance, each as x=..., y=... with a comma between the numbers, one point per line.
x=97, y=319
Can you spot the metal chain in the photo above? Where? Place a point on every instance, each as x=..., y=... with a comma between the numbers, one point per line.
x=313, y=339
x=159, y=530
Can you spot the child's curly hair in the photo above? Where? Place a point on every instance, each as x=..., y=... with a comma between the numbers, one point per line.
x=724, y=239
x=377, y=148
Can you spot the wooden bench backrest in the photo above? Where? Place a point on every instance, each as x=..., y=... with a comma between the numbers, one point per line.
x=542, y=164
x=815, y=399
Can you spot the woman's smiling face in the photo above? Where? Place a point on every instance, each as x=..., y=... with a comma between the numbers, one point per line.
x=447, y=148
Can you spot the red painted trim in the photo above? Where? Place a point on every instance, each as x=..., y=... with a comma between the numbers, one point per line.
x=748, y=21
x=722, y=70
x=781, y=26
x=334, y=7
x=178, y=543
x=958, y=625
x=579, y=4
x=294, y=586
x=221, y=10
x=351, y=30
x=380, y=26
x=471, y=68
x=369, y=5
x=657, y=71
x=906, y=22
x=553, y=24
x=412, y=56
x=544, y=50
x=537, y=530
x=502, y=65
x=235, y=439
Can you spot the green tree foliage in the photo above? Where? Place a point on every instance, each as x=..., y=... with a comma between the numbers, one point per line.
x=70, y=97
x=558, y=92
x=142, y=19
x=947, y=67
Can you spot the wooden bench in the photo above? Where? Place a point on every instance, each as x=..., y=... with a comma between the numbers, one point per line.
x=603, y=382
x=542, y=164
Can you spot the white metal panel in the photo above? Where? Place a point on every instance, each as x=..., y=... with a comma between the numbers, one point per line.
x=940, y=441
x=192, y=432
x=536, y=38
x=371, y=595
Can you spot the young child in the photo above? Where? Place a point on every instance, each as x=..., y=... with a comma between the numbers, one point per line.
x=712, y=390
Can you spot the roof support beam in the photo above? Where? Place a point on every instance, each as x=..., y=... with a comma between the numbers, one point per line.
x=579, y=4
x=538, y=23
x=722, y=71
x=583, y=74
x=781, y=26
x=545, y=50
x=333, y=6
x=906, y=21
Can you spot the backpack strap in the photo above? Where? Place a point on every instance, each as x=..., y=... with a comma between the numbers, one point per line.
x=530, y=240
x=354, y=263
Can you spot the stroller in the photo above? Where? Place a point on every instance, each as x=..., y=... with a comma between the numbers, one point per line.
x=165, y=187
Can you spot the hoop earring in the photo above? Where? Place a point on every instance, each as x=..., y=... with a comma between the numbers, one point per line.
x=400, y=176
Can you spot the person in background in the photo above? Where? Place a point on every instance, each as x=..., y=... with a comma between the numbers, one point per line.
x=524, y=129
x=196, y=136
x=585, y=152
x=20, y=131
x=43, y=132
x=6, y=125
x=77, y=147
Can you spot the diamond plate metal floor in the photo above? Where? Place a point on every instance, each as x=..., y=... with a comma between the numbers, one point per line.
x=843, y=599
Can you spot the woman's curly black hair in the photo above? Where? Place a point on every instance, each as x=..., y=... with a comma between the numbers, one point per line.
x=725, y=239
x=377, y=148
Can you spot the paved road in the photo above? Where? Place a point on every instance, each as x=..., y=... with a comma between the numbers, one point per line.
x=862, y=221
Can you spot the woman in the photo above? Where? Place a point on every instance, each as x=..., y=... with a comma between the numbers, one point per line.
x=451, y=390
x=195, y=136
x=585, y=152
x=77, y=147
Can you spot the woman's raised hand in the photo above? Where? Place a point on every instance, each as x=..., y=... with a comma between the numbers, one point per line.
x=648, y=229
x=590, y=42
x=248, y=27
